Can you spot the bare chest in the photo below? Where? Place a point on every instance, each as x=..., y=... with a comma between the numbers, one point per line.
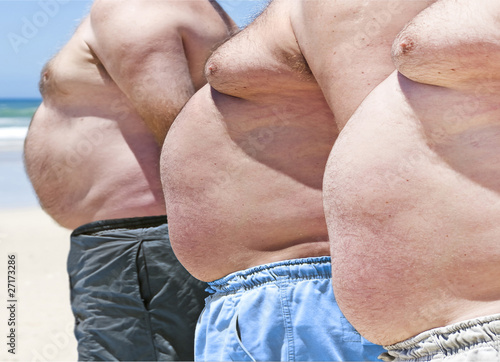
x=255, y=63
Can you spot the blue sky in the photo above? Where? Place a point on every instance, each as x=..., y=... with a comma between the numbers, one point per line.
x=32, y=31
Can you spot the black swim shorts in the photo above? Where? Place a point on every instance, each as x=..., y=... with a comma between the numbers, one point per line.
x=131, y=298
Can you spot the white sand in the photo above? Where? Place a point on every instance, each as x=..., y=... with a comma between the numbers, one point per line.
x=44, y=322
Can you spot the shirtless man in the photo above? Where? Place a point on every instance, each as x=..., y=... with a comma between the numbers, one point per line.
x=412, y=193
x=93, y=161
x=242, y=169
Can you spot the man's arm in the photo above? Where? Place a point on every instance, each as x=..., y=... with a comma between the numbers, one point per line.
x=145, y=46
x=347, y=45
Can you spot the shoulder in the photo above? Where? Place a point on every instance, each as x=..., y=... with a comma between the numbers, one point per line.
x=132, y=20
x=135, y=28
x=140, y=18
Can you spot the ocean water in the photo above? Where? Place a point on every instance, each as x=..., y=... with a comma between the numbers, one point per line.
x=15, y=188
x=15, y=116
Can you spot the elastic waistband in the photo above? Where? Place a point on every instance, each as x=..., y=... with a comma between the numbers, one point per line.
x=295, y=269
x=449, y=339
x=127, y=223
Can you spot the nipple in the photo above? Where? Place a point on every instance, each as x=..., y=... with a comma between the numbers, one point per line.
x=211, y=69
x=402, y=46
x=406, y=46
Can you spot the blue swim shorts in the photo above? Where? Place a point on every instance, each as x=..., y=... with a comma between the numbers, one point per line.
x=131, y=298
x=284, y=311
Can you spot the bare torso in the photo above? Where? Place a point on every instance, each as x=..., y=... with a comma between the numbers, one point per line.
x=89, y=153
x=412, y=186
x=243, y=163
x=95, y=155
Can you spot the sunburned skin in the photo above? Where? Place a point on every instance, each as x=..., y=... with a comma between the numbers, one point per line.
x=242, y=166
x=412, y=186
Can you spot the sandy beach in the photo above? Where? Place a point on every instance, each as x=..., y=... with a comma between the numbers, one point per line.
x=41, y=311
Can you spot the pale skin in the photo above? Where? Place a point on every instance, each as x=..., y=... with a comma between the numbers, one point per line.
x=412, y=186
x=242, y=166
x=109, y=98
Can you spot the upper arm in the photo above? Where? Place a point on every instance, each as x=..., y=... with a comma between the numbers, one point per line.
x=453, y=43
x=143, y=46
x=347, y=44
